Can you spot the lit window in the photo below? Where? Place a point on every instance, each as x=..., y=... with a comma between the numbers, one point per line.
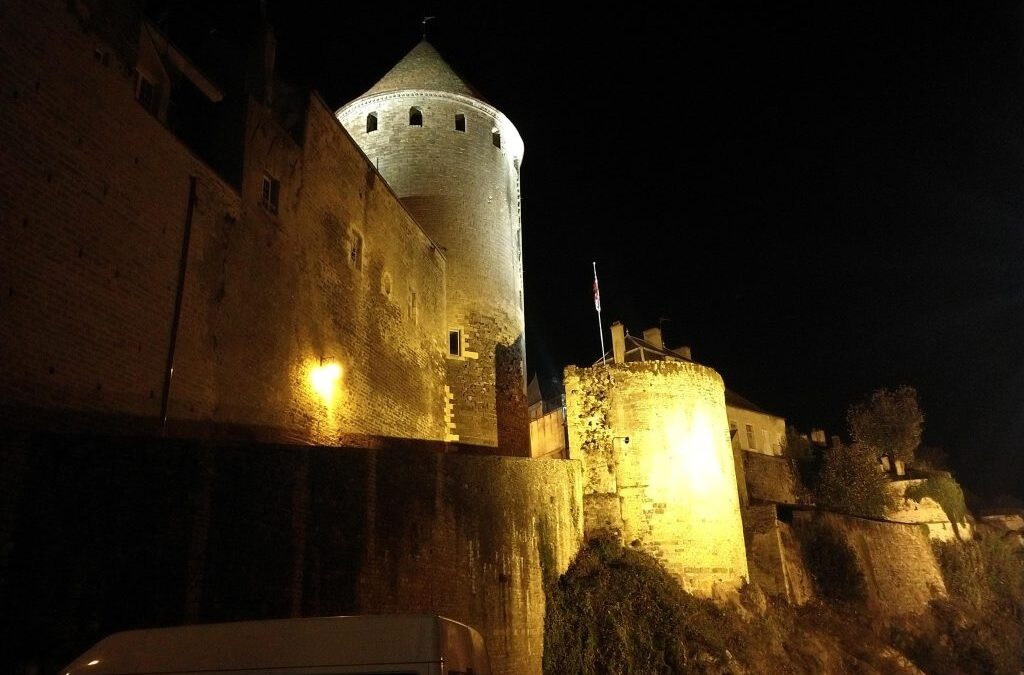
x=147, y=93
x=455, y=342
x=496, y=138
x=371, y=122
x=415, y=117
x=355, y=255
x=750, y=437
x=269, y=193
x=460, y=122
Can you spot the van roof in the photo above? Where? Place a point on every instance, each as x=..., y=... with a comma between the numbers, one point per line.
x=285, y=643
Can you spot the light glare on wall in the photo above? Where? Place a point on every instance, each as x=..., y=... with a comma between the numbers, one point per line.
x=324, y=379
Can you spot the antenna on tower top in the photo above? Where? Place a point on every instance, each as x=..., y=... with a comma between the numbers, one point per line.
x=425, y=20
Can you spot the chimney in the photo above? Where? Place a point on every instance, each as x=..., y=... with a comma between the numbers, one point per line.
x=653, y=335
x=618, y=342
x=684, y=352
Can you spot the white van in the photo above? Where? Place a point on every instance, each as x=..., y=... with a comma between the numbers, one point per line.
x=410, y=644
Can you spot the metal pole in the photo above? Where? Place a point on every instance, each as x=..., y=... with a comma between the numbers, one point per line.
x=597, y=305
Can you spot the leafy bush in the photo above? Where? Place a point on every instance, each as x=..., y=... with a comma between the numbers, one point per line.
x=942, y=488
x=831, y=563
x=616, y=610
x=850, y=482
x=980, y=627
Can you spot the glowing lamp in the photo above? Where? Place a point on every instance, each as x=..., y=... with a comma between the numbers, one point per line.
x=324, y=379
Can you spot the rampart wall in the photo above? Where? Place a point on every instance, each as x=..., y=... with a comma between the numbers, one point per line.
x=99, y=534
x=899, y=566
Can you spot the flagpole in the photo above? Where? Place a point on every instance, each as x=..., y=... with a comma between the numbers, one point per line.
x=597, y=305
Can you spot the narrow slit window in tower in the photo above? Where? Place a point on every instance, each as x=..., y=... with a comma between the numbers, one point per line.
x=371, y=122
x=415, y=117
x=750, y=437
x=496, y=138
x=455, y=342
x=460, y=122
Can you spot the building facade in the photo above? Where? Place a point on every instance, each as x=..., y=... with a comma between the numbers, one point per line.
x=454, y=160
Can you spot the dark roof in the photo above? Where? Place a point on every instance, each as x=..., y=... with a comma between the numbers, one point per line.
x=638, y=349
x=422, y=68
x=736, y=401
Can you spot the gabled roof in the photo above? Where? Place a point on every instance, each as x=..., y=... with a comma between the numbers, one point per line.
x=422, y=68
x=638, y=349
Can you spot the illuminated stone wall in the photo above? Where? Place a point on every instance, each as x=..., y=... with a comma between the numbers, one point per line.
x=897, y=561
x=672, y=489
x=273, y=294
x=94, y=193
x=104, y=534
x=772, y=479
x=774, y=556
x=465, y=193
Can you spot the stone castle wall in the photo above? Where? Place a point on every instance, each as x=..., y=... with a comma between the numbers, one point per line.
x=772, y=479
x=899, y=566
x=94, y=196
x=102, y=534
x=465, y=193
x=671, y=490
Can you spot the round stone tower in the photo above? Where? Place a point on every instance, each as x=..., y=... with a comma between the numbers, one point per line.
x=453, y=160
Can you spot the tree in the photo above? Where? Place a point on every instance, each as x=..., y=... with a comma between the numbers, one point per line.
x=889, y=422
x=850, y=481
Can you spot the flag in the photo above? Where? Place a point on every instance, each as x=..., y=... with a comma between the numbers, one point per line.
x=597, y=292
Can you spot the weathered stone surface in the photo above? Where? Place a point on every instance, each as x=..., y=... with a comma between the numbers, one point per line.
x=133, y=533
x=674, y=480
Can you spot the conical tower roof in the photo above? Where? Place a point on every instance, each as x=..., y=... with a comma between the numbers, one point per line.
x=422, y=68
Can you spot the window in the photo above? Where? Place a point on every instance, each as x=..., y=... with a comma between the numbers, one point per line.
x=455, y=342
x=147, y=93
x=102, y=56
x=732, y=429
x=764, y=437
x=269, y=193
x=750, y=437
x=371, y=122
x=415, y=117
x=460, y=122
x=496, y=138
x=385, y=284
x=355, y=255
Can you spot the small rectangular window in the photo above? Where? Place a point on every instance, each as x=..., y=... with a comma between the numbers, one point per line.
x=147, y=93
x=750, y=437
x=460, y=122
x=269, y=193
x=496, y=139
x=455, y=342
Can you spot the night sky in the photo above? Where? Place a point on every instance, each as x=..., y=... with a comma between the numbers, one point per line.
x=820, y=201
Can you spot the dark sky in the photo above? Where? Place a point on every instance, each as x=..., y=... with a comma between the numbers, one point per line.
x=821, y=201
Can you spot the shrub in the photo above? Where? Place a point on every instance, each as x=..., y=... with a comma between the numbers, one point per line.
x=617, y=610
x=942, y=488
x=850, y=482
